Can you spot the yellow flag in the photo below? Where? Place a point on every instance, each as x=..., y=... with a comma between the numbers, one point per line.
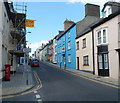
x=29, y=23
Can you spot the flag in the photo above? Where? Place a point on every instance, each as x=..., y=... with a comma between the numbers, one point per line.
x=29, y=23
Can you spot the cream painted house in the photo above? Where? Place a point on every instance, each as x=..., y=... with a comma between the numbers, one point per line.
x=84, y=52
x=84, y=45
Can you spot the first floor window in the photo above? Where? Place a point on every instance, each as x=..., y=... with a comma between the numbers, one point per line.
x=102, y=36
x=77, y=45
x=69, y=58
x=84, y=43
x=69, y=46
x=85, y=61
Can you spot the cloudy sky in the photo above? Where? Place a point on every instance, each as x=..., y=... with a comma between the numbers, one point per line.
x=50, y=16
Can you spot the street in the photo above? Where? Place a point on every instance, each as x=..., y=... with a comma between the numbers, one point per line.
x=59, y=85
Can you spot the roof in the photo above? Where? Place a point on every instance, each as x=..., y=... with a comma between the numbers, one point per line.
x=103, y=20
x=61, y=34
x=97, y=23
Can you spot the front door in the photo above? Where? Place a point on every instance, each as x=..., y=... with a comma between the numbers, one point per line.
x=103, y=65
x=78, y=63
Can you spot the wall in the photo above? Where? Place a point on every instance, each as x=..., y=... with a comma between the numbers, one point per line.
x=61, y=43
x=112, y=32
x=86, y=51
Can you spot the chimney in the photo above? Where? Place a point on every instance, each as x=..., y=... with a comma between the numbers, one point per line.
x=60, y=31
x=92, y=10
x=67, y=24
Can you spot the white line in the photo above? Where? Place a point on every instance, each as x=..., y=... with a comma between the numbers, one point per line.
x=35, y=91
x=39, y=100
x=37, y=96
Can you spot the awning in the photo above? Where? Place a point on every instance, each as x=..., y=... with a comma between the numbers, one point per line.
x=18, y=53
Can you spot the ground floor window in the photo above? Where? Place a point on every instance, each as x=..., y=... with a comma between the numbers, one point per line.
x=85, y=61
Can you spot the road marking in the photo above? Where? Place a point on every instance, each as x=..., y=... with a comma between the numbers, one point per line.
x=35, y=91
x=94, y=80
x=39, y=100
x=38, y=96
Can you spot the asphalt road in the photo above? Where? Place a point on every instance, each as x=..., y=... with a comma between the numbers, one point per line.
x=58, y=85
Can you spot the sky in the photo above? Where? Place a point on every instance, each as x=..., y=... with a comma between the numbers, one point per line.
x=49, y=16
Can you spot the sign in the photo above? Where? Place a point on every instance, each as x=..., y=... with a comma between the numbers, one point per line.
x=27, y=50
x=29, y=23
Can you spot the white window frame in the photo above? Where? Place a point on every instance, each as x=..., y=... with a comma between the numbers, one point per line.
x=68, y=34
x=69, y=58
x=69, y=45
x=102, y=29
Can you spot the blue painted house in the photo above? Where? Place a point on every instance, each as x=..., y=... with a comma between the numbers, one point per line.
x=66, y=47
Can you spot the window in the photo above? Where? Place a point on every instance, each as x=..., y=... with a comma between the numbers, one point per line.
x=84, y=43
x=118, y=31
x=85, y=61
x=77, y=45
x=63, y=38
x=69, y=34
x=69, y=58
x=99, y=37
x=69, y=46
x=102, y=36
x=104, y=14
x=109, y=11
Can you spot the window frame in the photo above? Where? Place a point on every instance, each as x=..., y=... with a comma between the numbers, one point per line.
x=77, y=45
x=69, y=58
x=69, y=45
x=102, y=37
x=86, y=60
x=84, y=43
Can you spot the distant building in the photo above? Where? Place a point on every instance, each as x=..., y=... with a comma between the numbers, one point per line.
x=54, y=57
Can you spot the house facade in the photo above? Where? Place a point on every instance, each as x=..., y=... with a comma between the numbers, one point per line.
x=66, y=50
x=84, y=39
x=106, y=44
x=10, y=36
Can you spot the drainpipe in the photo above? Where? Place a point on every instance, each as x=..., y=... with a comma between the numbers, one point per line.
x=93, y=51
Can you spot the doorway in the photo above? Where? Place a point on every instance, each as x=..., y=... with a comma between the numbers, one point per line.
x=103, y=65
x=78, y=63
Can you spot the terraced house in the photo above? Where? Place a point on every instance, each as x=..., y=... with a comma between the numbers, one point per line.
x=107, y=41
x=84, y=46
x=66, y=46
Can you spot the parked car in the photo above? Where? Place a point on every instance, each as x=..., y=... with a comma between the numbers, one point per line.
x=34, y=62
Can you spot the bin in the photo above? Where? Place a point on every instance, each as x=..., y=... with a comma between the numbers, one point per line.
x=7, y=72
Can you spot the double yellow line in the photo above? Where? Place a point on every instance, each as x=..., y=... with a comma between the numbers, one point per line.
x=27, y=92
x=110, y=85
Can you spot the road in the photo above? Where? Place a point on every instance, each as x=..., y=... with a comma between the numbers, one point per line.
x=59, y=85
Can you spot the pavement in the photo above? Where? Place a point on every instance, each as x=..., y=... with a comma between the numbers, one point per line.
x=89, y=75
x=19, y=82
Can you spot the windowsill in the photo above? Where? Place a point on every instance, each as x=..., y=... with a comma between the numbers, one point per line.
x=102, y=44
x=86, y=65
x=83, y=47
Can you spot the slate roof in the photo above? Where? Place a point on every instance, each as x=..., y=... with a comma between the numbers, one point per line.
x=99, y=22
